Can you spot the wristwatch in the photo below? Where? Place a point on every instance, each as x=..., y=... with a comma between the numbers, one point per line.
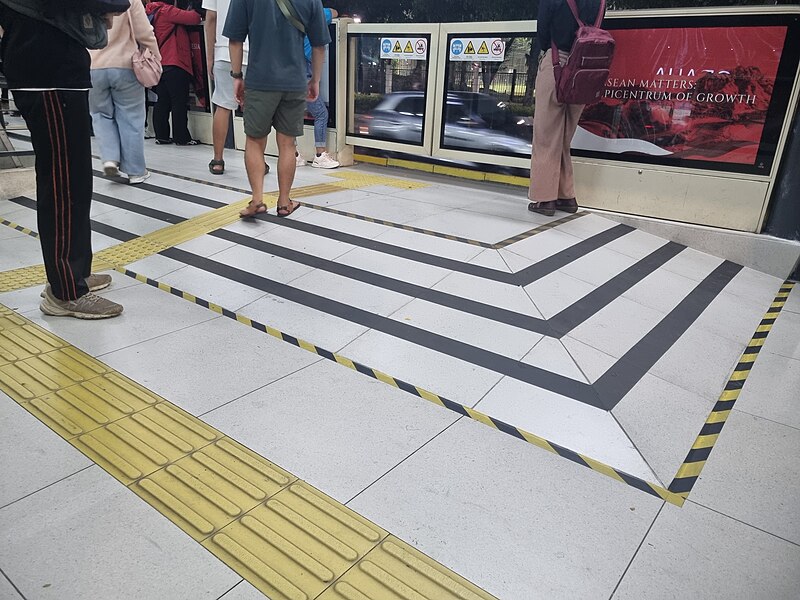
x=238, y=75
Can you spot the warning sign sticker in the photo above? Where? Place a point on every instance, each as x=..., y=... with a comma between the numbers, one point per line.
x=477, y=49
x=406, y=48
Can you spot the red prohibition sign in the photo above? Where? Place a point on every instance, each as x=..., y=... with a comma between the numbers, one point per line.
x=497, y=47
x=420, y=48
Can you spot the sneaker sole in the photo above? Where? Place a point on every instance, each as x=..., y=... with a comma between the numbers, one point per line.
x=324, y=167
x=60, y=312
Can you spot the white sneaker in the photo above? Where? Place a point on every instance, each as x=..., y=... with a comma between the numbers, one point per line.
x=134, y=179
x=324, y=161
x=111, y=169
x=299, y=160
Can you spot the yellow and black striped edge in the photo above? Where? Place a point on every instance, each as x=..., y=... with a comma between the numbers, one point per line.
x=645, y=486
x=19, y=228
x=692, y=466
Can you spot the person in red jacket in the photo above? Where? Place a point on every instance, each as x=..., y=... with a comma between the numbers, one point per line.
x=176, y=57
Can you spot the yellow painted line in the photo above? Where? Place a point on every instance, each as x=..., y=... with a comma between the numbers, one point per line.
x=375, y=160
x=508, y=179
x=407, y=164
x=461, y=173
x=287, y=538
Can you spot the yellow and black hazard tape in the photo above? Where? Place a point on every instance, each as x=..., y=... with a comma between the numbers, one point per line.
x=690, y=470
x=636, y=482
x=19, y=228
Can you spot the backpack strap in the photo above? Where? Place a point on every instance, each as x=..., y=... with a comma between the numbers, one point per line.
x=601, y=13
x=290, y=12
x=574, y=8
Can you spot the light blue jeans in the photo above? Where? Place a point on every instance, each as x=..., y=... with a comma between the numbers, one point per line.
x=319, y=111
x=116, y=102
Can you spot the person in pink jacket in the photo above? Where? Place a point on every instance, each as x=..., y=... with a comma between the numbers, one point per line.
x=116, y=99
x=169, y=23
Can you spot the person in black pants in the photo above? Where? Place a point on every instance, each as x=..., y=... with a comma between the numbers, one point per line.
x=169, y=23
x=48, y=74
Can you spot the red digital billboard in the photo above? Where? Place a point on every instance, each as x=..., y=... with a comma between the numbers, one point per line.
x=686, y=94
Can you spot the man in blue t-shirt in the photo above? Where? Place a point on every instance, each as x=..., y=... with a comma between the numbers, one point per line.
x=276, y=88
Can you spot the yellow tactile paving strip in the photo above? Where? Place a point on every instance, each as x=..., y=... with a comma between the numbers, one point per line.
x=285, y=537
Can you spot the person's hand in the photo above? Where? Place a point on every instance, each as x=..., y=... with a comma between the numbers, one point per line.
x=238, y=91
x=313, y=90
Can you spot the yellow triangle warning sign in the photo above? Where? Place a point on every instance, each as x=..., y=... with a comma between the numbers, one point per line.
x=470, y=49
x=397, y=47
x=484, y=49
x=408, y=49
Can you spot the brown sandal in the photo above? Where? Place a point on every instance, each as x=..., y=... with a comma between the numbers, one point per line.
x=257, y=209
x=285, y=211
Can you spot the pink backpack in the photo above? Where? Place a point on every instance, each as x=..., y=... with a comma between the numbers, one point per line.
x=582, y=79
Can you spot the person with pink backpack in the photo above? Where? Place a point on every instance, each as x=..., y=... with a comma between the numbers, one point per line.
x=573, y=69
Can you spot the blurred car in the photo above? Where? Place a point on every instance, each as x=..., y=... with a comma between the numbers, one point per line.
x=473, y=121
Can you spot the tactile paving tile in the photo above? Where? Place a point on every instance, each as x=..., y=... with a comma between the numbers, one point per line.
x=353, y=179
x=92, y=404
x=10, y=320
x=210, y=488
x=24, y=277
x=146, y=441
x=46, y=373
x=26, y=340
x=296, y=544
x=395, y=570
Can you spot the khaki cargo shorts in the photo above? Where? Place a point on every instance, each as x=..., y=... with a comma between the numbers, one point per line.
x=265, y=110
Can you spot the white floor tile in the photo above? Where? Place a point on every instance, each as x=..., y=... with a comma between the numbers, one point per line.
x=341, y=223
x=303, y=322
x=732, y=317
x=243, y=591
x=751, y=475
x=577, y=426
x=309, y=243
x=662, y=290
x=493, y=293
x=636, y=244
x=430, y=244
x=444, y=196
x=692, y=552
x=89, y=537
x=700, y=362
x=155, y=266
x=693, y=264
x=212, y=287
x=551, y=355
x=396, y=210
x=31, y=455
x=131, y=222
x=663, y=421
x=491, y=259
x=617, y=327
x=473, y=226
x=510, y=207
x=19, y=252
x=21, y=215
x=335, y=199
x=755, y=286
x=7, y=233
x=541, y=245
x=7, y=591
x=592, y=362
x=506, y=340
x=174, y=206
x=598, y=266
x=771, y=389
x=438, y=373
x=23, y=301
x=205, y=366
x=784, y=339
x=290, y=422
x=394, y=266
x=149, y=313
x=555, y=292
x=586, y=226
x=261, y=263
x=793, y=302
x=513, y=519
x=351, y=292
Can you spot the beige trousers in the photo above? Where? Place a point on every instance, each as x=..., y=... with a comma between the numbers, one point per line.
x=554, y=126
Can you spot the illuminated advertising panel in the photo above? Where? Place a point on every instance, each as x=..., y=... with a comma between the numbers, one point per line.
x=698, y=95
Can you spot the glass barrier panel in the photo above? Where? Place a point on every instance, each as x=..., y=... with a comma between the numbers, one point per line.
x=389, y=85
x=490, y=94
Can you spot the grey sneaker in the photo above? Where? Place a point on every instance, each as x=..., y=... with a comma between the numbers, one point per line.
x=95, y=281
x=90, y=306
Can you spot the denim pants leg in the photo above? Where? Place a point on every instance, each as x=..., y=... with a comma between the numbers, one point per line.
x=126, y=92
x=319, y=111
x=101, y=107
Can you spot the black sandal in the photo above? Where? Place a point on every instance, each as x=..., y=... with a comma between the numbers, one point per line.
x=212, y=166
